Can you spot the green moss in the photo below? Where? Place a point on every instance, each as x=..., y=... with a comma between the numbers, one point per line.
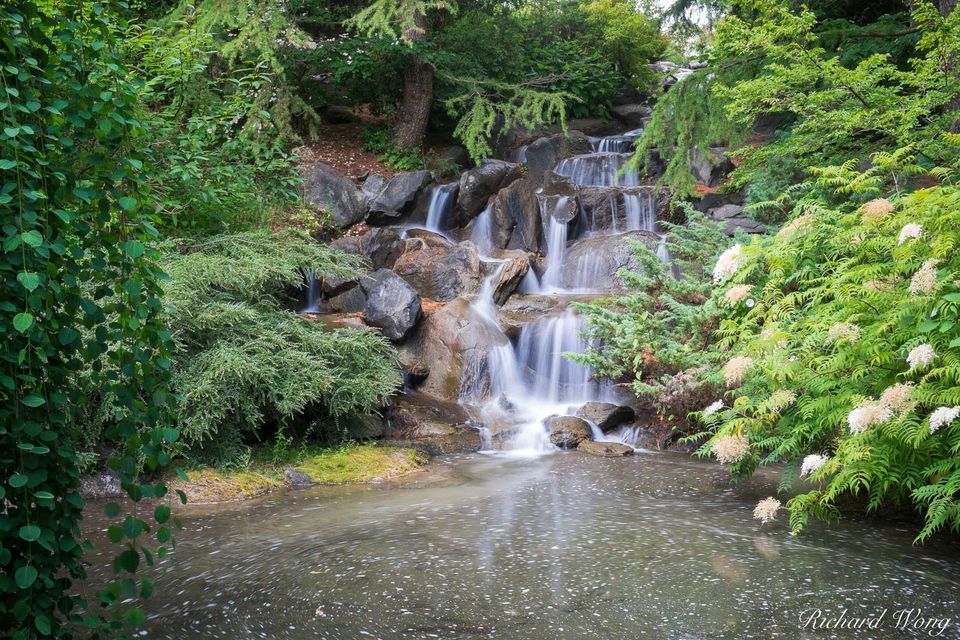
x=361, y=463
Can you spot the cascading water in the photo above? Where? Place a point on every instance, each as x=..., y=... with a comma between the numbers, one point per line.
x=603, y=169
x=640, y=210
x=482, y=232
x=312, y=294
x=556, y=243
x=441, y=202
x=622, y=143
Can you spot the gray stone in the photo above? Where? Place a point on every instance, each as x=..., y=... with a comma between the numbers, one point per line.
x=458, y=156
x=726, y=211
x=393, y=197
x=380, y=245
x=297, y=478
x=543, y=154
x=478, y=185
x=513, y=271
x=567, y=432
x=431, y=424
x=605, y=415
x=438, y=269
x=593, y=262
x=329, y=191
x=392, y=305
x=710, y=166
x=516, y=217
x=605, y=449
x=631, y=115
x=743, y=222
x=350, y=300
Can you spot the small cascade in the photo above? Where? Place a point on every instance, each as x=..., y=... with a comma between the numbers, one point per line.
x=441, y=202
x=312, y=302
x=482, y=232
x=586, y=273
x=622, y=143
x=663, y=252
x=556, y=244
x=641, y=210
x=629, y=436
x=600, y=169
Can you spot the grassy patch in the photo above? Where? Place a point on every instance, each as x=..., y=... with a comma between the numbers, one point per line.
x=343, y=465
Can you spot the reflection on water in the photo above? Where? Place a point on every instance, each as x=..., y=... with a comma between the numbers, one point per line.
x=564, y=547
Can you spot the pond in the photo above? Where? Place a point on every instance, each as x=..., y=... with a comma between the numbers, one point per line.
x=563, y=546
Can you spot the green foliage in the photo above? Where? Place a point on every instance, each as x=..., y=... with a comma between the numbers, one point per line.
x=573, y=68
x=243, y=361
x=628, y=38
x=397, y=18
x=376, y=139
x=82, y=287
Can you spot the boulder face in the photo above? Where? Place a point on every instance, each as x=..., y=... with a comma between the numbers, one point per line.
x=477, y=185
x=543, y=154
x=431, y=424
x=390, y=199
x=710, y=166
x=733, y=218
x=593, y=262
x=605, y=415
x=605, y=449
x=567, y=432
x=516, y=217
x=391, y=304
x=513, y=271
x=329, y=191
x=438, y=269
x=380, y=245
x=633, y=116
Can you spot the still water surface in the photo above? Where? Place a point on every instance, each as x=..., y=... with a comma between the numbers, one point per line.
x=561, y=547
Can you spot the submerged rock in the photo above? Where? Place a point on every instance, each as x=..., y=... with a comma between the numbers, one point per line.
x=391, y=304
x=567, y=432
x=605, y=449
x=605, y=415
x=431, y=424
x=329, y=191
x=296, y=478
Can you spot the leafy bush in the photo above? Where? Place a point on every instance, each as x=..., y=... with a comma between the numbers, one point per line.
x=243, y=361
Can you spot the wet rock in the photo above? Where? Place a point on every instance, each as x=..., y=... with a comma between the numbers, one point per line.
x=710, y=166
x=593, y=262
x=543, y=154
x=453, y=342
x=567, y=432
x=380, y=245
x=329, y=191
x=632, y=116
x=296, y=478
x=605, y=449
x=394, y=197
x=392, y=305
x=438, y=269
x=510, y=276
x=478, y=185
x=725, y=211
x=457, y=156
x=605, y=415
x=560, y=208
x=668, y=72
x=351, y=300
x=431, y=424
x=556, y=185
x=516, y=217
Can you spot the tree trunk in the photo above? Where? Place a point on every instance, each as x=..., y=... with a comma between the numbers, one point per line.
x=413, y=112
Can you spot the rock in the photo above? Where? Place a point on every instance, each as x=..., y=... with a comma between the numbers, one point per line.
x=593, y=262
x=329, y=191
x=392, y=305
x=297, y=478
x=373, y=185
x=394, y=197
x=457, y=156
x=543, y=154
x=510, y=276
x=605, y=449
x=103, y=484
x=631, y=115
x=587, y=126
x=743, y=222
x=716, y=199
x=432, y=424
x=352, y=300
x=438, y=269
x=567, y=432
x=516, y=217
x=522, y=309
x=560, y=208
x=725, y=211
x=605, y=415
x=556, y=185
x=710, y=166
x=453, y=342
x=669, y=72
x=380, y=245
x=478, y=185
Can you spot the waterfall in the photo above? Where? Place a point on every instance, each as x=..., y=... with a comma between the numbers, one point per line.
x=663, y=252
x=312, y=303
x=482, y=232
x=601, y=169
x=441, y=201
x=641, y=210
x=556, y=246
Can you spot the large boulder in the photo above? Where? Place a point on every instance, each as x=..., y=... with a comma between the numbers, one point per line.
x=439, y=269
x=605, y=449
x=331, y=192
x=352, y=299
x=593, y=262
x=668, y=72
x=453, y=342
x=567, y=432
x=510, y=275
x=431, y=424
x=477, y=185
x=392, y=305
x=632, y=116
x=709, y=166
x=543, y=154
x=390, y=199
x=605, y=415
x=380, y=245
x=516, y=217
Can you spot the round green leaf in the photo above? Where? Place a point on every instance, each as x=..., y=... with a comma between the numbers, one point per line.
x=18, y=480
x=33, y=400
x=30, y=532
x=32, y=238
x=25, y=576
x=22, y=322
x=111, y=509
x=29, y=280
x=162, y=513
x=127, y=203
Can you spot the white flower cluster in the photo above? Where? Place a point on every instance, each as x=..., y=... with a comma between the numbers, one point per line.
x=942, y=417
x=766, y=510
x=843, y=331
x=876, y=209
x=811, y=464
x=738, y=293
x=713, y=408
x=736, y=370
x=910, y=230
x=728, y=263
x=795, y=225
x=781, y=399
x=921, y=356
x=731, y=449
x=866, y=414
x=925, y=279
x=897, y=397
